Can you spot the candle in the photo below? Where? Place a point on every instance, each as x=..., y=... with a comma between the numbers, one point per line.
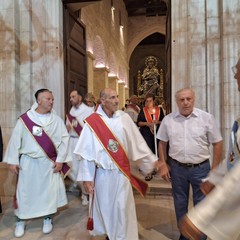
x=154, y=131
x=154, y=117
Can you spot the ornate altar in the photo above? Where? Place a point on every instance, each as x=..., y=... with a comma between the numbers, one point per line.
x=151, y=79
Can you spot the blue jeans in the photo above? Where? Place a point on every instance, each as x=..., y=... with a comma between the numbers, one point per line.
x=182, y=177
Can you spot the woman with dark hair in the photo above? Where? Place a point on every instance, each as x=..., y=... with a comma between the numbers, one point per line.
x=148, y=116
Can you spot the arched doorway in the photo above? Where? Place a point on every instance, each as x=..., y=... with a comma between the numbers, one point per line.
x=152, y=37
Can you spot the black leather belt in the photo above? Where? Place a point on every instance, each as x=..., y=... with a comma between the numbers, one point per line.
x=190, y=165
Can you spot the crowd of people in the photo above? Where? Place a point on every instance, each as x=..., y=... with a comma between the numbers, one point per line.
x=94, y=148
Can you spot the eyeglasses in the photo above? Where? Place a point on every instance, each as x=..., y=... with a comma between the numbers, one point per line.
x=234, y=69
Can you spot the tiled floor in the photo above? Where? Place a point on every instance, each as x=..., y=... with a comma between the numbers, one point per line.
x=155, y=212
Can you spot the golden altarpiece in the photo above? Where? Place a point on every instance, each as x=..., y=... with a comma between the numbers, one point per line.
x=151, y=80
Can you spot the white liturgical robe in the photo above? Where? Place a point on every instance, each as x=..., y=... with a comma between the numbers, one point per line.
x=114, y=209
x=40, y=191
x=82, y=112
x=218, y=215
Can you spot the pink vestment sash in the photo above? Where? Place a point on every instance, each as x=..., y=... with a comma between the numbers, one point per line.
x=44, y=141
x=115, y=150
x=75, y=124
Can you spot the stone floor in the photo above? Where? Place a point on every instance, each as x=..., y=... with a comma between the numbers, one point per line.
x=155, y=213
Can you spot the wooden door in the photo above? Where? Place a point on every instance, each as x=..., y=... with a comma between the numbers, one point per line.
x=75, y=61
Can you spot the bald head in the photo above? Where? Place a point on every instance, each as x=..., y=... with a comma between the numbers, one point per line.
x=109, y=100
x=106, y=92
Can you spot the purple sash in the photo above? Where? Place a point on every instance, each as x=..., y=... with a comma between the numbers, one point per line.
x=75, y=124
x=44, y=141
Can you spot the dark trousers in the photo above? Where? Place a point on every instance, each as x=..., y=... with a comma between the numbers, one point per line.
x=182, y=178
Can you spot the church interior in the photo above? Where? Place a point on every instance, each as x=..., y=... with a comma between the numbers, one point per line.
x=93, y=44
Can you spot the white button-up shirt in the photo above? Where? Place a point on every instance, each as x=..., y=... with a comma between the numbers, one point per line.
x=189, y=137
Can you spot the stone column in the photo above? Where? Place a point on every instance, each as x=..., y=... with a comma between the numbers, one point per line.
x=100, y=80
x=15, y=63
x=121, y=94
x=205, y=43
x=230, y=52
x=31, y=56
x=126, y=93
x=113, y=82
x=47, y=49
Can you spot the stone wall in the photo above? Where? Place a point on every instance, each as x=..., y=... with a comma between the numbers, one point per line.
x=30, y=56
x=141, y=27
x=205, y=43
x=107, y=42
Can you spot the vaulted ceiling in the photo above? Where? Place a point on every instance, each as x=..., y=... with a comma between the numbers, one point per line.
x=148, y=8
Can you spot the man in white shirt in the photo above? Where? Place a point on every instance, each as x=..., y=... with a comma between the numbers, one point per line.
x=189, y=132
x=218, y=215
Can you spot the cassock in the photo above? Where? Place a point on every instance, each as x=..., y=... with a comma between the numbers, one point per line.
x=82, y=112
x=39, y=191
x=114, y=208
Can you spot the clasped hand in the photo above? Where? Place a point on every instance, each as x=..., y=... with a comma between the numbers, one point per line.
x=151, y=125
x=57, y=167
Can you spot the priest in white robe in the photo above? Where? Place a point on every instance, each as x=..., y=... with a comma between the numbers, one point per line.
x=74, y=123
x=113, y=208
x=40, y=186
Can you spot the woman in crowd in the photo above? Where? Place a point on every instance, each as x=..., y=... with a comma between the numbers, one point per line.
x=149, y=116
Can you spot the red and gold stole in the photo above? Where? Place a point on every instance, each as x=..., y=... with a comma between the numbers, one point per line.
x=43, y=140
x=148, y=115
x=75, y=124
x=115, y=150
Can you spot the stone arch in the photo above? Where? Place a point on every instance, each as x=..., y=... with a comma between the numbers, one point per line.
x=143, y=34
x=99, y=52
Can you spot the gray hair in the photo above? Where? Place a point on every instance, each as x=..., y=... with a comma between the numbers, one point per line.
x=184, y=89
x=102, y=93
